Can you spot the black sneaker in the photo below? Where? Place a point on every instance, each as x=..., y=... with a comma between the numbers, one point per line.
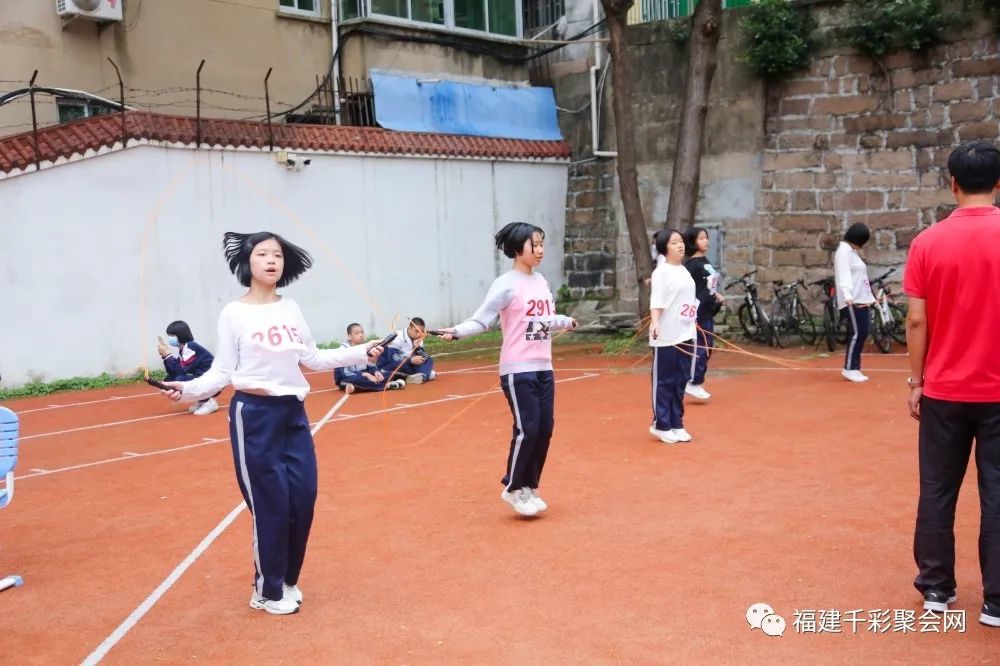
x=990, y=615
x=937, y=601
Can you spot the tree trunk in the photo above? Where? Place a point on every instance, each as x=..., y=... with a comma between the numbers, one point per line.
x=703, y=57
x=628, y=180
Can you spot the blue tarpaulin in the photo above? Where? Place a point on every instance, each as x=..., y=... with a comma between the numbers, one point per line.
x=410, y=104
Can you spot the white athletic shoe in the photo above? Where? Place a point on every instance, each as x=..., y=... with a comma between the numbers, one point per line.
x=396, y=385
x=194, y=406
x=521, y=500
x=539, y=503
x=292, y=592
x=433, y=376
x=415, y=379
x=681, y=434
x=284, y=607
x=207, y=407
x=853, y=376
x=697, y=391
x=665, y=436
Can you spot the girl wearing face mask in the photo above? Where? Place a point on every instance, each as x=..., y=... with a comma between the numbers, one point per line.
x=263, y=338
x=673, y=309
x=184, y=360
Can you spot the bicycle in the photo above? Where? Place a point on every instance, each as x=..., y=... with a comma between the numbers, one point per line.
x=789, y=315
x=888, y=319
x=753, y=319
x=834, y=325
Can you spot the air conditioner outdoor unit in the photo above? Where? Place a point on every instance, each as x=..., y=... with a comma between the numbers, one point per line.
x=92, y=10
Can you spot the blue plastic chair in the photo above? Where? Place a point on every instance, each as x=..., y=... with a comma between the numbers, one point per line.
x=9, y=429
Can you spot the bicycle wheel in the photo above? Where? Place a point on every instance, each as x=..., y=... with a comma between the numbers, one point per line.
x=766, y=330
x=782, y=323
x=806, y=324
x=843, y=328
x=722, y=315
x=880, y=334
x=750, y=327
x=830, y=326
x=897, y=329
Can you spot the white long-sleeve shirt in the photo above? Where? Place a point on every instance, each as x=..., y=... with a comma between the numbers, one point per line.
x=260, y=348
x=851, y=277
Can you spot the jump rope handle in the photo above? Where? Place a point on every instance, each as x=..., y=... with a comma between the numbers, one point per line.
x=384, y=342
x=158, y=384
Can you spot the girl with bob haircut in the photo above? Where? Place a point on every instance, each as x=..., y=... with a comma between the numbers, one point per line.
x=673, y=309
x=706, y=285
x=854, y=296
x=521, y=298
x=184, y=360
x=262, y=339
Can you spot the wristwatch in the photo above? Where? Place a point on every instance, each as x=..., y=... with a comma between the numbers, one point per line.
x=914, y=383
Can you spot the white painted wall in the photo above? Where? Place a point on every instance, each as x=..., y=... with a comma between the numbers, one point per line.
x=82, y=292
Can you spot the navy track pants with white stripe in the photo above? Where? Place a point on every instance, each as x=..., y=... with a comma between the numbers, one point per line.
x=859, y=318
x=531, y=396
x=671, y=372
x=276, y=470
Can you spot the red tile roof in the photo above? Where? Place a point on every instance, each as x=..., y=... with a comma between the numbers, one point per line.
x=76, y=138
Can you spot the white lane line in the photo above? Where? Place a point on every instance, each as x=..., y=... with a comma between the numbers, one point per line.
x=209, y=442
x=310, y=373
x=185, y=413
x=119, y=633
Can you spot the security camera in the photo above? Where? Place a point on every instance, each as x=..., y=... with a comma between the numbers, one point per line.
x=293, y=161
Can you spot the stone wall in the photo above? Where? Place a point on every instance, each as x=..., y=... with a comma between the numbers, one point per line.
x=786, y=167
x=590, y=232
x=843, y=146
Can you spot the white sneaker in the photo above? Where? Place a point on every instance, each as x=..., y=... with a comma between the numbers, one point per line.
x=194, y=406
x=539, y=503
x=415, y=379
x=396, y=385
x=521, y=500
x=667, y=436
x=853, y=376
x=284, y=607
x=697, y=391
x=207, y=407
x=433, y=375
x=292, y=592
x=681, y=434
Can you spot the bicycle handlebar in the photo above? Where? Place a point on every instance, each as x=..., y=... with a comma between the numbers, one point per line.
x=882, y=277
x=744, y=278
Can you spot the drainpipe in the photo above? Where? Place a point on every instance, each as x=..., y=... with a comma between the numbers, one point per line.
x=595, y=130
x=335, y=71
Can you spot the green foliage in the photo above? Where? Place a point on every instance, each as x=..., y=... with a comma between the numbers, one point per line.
x=625, y=342
x=104, y=380
x=878, y=28
x=679, y=29
x=563, y=299
x=779, y=37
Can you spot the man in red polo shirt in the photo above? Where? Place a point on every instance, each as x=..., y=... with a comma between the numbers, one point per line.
x=953, y=281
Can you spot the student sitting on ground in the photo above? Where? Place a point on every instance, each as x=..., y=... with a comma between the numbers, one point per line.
x=405, y=357
x=362, y=378
x=184, y=360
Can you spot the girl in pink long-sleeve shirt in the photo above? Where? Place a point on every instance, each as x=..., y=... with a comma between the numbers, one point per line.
x=523, y=301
